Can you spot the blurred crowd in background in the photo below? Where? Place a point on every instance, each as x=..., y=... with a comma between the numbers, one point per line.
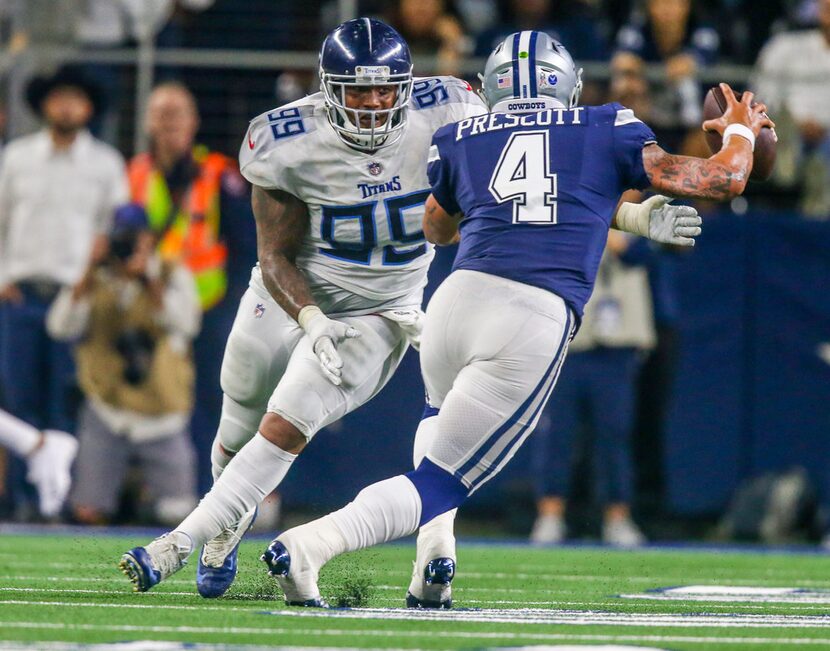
x=129, y=395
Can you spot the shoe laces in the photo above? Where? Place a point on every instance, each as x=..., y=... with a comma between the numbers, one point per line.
x=218, y=548
x=166, y=555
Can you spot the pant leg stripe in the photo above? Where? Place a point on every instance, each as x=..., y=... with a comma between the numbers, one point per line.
x=511, y=422
x=512, y=447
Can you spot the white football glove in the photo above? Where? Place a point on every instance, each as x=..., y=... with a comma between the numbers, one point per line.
x=325, y=334
x=411, y=322
x=655, y=219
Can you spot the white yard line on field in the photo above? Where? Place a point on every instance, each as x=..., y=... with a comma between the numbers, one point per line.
x=572, y=617
x=394, y=601
x=500, y=616
x=387, y=633
x=116, y=576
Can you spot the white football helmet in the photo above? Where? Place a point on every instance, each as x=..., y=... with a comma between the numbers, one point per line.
x=530, y=71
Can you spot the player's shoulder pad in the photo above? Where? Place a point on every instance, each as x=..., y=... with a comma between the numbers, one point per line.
x=433, y=92
x=277, y=138
x=442, y=141
x=283, y=127
x=613, y=113
x=445, y=133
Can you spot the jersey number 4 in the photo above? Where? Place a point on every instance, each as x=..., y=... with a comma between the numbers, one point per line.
x=523, y=176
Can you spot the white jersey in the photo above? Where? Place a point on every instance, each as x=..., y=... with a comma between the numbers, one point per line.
x=365, y=209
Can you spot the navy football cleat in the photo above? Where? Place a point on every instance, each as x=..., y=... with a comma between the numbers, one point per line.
x=138, y=567
x=437, y=589
x=148, y=566
x=218, y=560
x=278, y=560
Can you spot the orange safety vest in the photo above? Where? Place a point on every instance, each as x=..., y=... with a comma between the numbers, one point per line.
x=191, y=235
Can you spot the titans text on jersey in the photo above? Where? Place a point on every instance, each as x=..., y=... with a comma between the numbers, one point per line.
x=365, y=208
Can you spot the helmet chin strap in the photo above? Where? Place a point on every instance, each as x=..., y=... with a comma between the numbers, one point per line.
x=526, y=105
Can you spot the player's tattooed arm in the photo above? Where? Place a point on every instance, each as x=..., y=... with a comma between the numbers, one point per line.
x=281, y=224
x=719, y=177
x=712, y=178
x=439, y=226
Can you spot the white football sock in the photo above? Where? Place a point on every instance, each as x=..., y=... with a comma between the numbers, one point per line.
x=384, y=511
x=17, y=435
x=424, y=436
x=256, y=470
x=436, y=539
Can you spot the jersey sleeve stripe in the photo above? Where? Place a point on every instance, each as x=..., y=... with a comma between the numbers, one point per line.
x=434, y=155
x=625, y=116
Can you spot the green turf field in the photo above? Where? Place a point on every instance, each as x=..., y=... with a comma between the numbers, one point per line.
x=67, y=588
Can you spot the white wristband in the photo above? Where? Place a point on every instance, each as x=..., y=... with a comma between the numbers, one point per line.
x=307, y=314
x=739, y=130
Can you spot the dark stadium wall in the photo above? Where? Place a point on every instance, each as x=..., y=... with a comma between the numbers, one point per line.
x=752, y=392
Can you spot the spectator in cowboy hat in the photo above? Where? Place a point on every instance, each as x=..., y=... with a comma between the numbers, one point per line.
x=58, y=189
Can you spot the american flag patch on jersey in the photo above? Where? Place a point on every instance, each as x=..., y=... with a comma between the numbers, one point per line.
x=259, y=310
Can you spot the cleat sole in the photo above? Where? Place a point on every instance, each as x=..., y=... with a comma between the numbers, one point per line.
x=129, y=569
x=413, y=602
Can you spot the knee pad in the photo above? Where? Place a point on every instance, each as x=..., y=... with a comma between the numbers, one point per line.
x=439, y=490
x=220, y=456
x=302, y=406
x=245, y=369
x=237, y=424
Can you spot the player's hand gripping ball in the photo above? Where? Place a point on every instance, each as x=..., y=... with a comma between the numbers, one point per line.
x=763, y=158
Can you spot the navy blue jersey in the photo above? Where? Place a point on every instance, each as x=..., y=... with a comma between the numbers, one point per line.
x=538, y=191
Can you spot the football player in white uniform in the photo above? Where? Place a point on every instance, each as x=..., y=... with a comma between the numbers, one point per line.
x=340, y=181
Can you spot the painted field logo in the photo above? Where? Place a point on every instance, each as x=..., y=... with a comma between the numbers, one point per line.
x=735, y=593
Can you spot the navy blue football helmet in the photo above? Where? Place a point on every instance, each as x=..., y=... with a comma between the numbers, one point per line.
x=365, y=52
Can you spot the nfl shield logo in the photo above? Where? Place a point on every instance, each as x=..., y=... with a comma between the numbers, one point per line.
x=375, y=168
x=259, y=310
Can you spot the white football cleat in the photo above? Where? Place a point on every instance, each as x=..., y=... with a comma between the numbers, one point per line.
x=432, y=586
x=49, y=470
x=295, y=572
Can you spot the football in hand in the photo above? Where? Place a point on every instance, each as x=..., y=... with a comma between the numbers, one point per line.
x=763, y=158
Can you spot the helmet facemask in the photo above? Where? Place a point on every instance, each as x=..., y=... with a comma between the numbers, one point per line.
x=385, y=125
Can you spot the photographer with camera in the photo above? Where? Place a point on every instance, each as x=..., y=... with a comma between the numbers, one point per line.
x=132, y=318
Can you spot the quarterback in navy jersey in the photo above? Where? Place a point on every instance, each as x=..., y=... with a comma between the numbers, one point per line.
x=538, y=181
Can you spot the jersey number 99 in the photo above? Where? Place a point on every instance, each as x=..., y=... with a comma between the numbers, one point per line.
x=360, y=250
